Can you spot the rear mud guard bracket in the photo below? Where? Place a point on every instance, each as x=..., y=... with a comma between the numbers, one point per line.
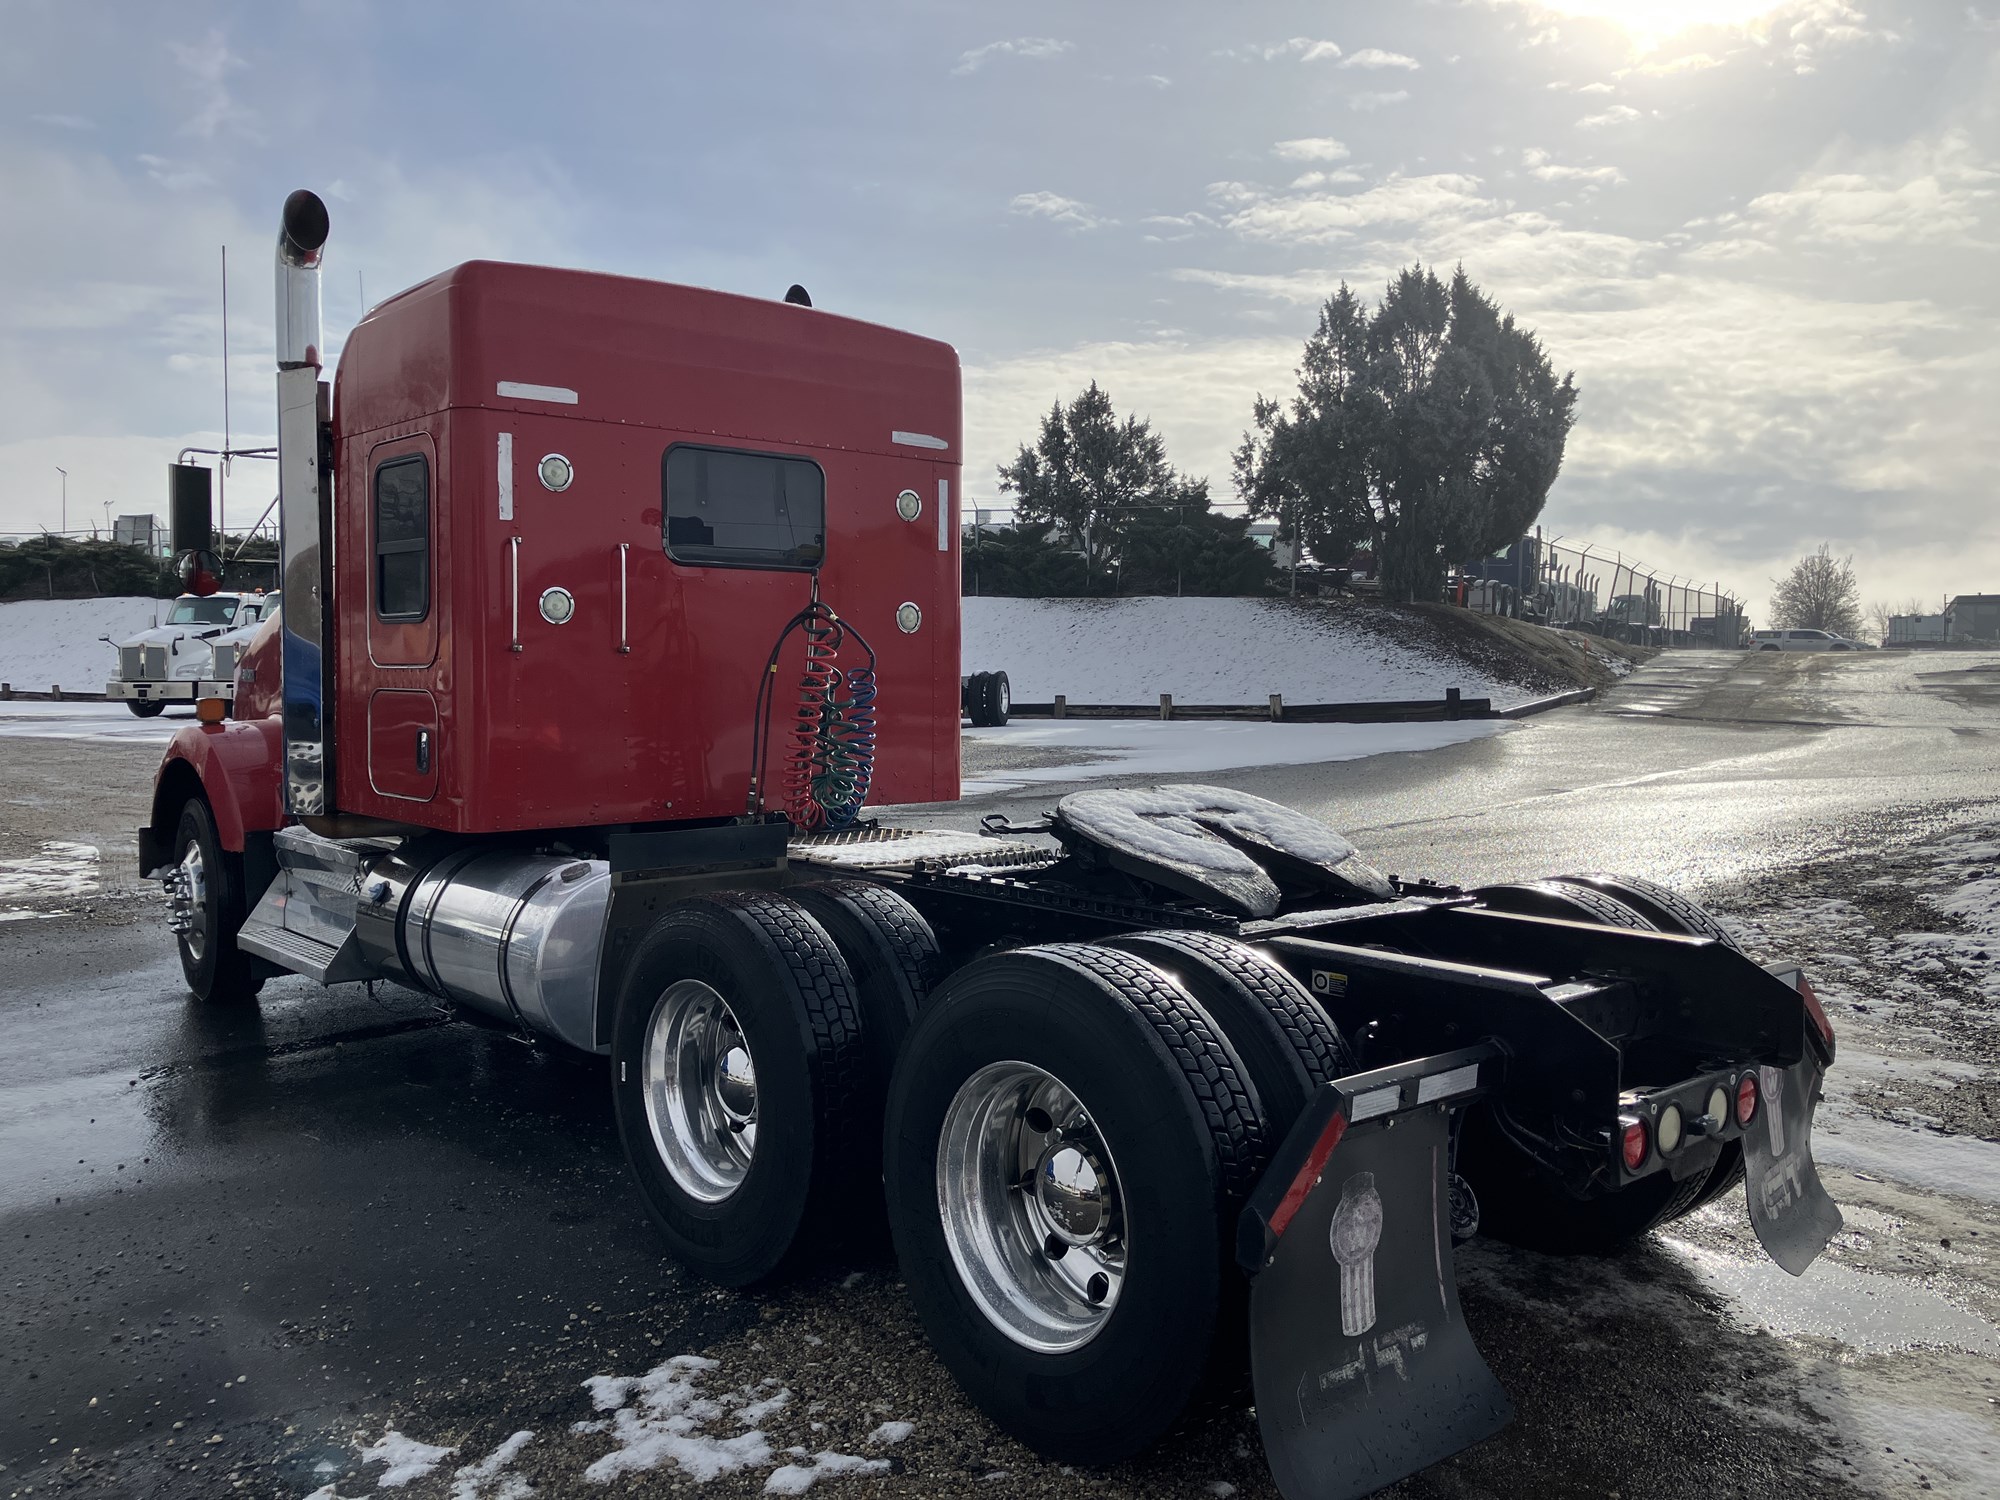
x=1363, y=1367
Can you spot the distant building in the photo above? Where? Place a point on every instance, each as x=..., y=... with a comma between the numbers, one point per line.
x=1974, y=617
x=144, y=532
x=1918, y=630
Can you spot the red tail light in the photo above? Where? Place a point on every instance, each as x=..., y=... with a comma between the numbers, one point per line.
x=1816, y=1010
x=1636, y=1145
x=1746, y=1098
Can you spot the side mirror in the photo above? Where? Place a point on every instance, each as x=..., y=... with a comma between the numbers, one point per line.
x=105, y=638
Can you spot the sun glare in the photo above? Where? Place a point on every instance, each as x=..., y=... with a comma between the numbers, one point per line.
x=1650, y=21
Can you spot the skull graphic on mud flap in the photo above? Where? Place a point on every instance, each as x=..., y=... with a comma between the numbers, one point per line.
x=1772, y=1081
x=1355, y=1232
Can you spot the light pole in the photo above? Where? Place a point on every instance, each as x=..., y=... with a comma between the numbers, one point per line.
x=65, y=498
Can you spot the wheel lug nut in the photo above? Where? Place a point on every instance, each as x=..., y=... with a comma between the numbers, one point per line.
x=1055, y=1248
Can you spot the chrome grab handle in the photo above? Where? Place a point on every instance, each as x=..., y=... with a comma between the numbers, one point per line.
x=624, y=635
x=514, y=558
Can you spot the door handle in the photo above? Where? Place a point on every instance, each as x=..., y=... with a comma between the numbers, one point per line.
x=423, y=751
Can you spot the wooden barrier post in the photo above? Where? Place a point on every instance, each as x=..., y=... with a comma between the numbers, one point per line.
x=1452, y=705
x=1166, y=705
x=55, y=691
x=6, y=692
x=1062, y=707
x=1277, y=707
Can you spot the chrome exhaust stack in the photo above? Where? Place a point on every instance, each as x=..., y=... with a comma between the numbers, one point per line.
x=305, y=493
x=302, y=232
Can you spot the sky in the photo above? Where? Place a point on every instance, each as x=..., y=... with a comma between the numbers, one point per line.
x=1761, y=234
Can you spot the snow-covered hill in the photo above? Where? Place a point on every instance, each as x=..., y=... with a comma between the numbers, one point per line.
x=1214, y=651
x=44, y=642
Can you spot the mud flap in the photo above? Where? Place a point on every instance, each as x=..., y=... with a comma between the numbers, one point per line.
x=1789, y=1207
x=1363, y=1367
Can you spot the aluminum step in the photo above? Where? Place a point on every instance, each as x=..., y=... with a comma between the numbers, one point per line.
x=299, y=954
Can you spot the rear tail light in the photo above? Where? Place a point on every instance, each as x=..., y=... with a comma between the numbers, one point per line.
x=1816, y=1010
x=1746, y=1098
x=1636, y=1144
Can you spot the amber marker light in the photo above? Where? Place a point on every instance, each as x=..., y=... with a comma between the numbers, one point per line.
x=211, y=710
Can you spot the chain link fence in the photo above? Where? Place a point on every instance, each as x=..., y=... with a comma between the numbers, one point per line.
x=1600, y=590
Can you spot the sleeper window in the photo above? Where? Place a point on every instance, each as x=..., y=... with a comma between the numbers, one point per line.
x=402, y=538
x=746, y=510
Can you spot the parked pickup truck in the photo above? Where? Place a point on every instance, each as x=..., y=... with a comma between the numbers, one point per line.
x=191, y=655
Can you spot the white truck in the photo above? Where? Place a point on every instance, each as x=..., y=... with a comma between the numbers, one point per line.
x=191, y=655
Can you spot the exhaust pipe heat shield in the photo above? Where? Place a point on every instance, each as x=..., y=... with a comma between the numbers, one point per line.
x=1363, y=1367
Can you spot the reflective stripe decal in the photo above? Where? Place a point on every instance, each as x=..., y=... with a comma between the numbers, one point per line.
x=944, y=514
x=917, y=440
x=517, y=390
x=506, y=476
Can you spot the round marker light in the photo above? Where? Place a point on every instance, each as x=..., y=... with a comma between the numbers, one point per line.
x=1746, y=1098
x=1635, y=1145
x=1718, y=1107
x=908, y=618
x=556, y=472
x=558, y=605
x=909, y=505
x=1669, y=1129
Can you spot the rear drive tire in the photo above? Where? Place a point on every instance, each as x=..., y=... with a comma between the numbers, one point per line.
x=891, y=953
x=144, y=709
x=1288, y=1046
x=975, y=698
x=1666, y=909
x=1088, y=1075
x=740, y=1078
x=216, y=969
x=1565, y=901
x=999, y=699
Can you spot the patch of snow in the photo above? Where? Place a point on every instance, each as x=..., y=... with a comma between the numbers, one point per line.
x=89, y=721
x=892, y=1432
x=489, y=1480
x=1866, y=1311
x=1958, y=1165
x=1154, y=747
x=1207, y=651
x=404, y=1457
x=666, y=1423
x=1903, y=1448
x=58, y=869
x=796, y=1479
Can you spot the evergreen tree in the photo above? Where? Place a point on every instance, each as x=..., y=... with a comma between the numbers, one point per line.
x=1430, y=430
x=1088, y=473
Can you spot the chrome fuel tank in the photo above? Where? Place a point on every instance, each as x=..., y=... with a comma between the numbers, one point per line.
x=513, y=935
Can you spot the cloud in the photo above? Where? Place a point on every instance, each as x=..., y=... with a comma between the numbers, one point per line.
x=1692, y=62
x=1311, y=148
x=1374, y=101
x=208, y=64
x=1937, y=194
x=1304, y=48
x=1618, y=114
x=1313, y=218
x=1020, y=46
x=1540, y=165
x=1058, y=210
x=1307, y=180
x=65, y=122
x=1375, y=57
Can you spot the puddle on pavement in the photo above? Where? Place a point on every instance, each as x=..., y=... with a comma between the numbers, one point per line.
x=1868, y=1313
x=57, y=871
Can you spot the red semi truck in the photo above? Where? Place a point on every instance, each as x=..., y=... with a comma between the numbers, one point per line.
x=611, y=606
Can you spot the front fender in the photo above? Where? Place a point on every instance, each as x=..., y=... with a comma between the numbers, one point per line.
x=237, y=765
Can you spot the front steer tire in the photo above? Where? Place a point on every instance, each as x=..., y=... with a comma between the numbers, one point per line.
x=143, y=709
x=1164, y=1096
x=217, y=971
x=789, y=1002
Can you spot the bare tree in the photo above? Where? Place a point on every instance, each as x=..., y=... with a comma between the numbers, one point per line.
x=1820, y=593
x=1878, y=614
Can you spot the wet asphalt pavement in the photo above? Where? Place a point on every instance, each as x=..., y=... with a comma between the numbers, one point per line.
x=237, y=1247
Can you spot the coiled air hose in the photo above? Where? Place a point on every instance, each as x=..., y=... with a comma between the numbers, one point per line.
x=830, y=754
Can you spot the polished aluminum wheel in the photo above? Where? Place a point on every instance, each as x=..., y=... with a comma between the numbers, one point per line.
x=1032, y=1212
x=187, y=900
x=701, y=1091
